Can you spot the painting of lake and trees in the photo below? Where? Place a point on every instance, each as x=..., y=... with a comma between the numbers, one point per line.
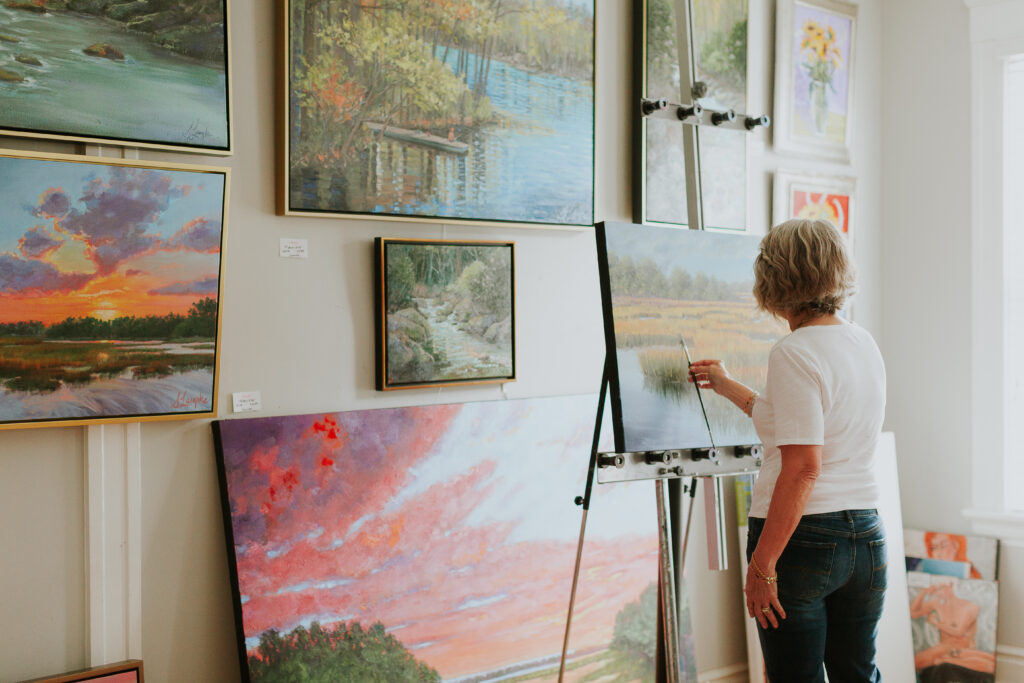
x=452, y=110
x=151, y=73
x=109, y=289
x=436, y=543
x=448, y=312
x=663, y=284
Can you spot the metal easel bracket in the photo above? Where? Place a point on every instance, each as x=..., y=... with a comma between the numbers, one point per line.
x=672, y=464
x=697, y=115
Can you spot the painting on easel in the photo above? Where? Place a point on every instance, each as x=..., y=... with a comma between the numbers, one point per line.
x=373, y=528
x=661, y=284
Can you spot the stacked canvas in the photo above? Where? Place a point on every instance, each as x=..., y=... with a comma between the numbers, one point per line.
x=953, y=601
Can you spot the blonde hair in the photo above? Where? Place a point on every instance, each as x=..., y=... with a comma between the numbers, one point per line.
x=803, y=266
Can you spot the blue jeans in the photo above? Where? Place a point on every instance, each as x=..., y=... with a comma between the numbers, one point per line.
x=832, y=578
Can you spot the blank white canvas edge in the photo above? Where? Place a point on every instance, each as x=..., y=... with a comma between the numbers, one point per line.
x=895, y=658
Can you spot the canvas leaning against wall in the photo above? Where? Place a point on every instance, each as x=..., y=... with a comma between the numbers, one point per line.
x=140, y=73
x=661, y=284
x=720, y=53
x=110, y=280
x=445, y=312
x=457, y=110
x=128, y=671
x=814, y=77
x=435, y=542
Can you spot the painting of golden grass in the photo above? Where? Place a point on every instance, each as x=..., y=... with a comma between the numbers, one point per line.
x=664, y=285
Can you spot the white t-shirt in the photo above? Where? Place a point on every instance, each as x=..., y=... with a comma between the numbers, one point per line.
x=826, y=387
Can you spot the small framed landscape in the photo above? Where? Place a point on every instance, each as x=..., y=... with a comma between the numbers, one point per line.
x=476, y=112
x=814, y=78
x=144, y=74
x=128, y=671
x=829, y=198
x=445, y=312
x=110, y=280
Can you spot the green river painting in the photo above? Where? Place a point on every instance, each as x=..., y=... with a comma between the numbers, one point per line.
x=150, y=73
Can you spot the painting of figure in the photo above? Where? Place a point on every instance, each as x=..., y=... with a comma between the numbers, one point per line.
x=954, y=628
x=720, y=50
x=440, y=110
x=367, y=546
x=660, y=286
x=446, y=313
x=151, y=73
x=980, y=553
x=109, y=289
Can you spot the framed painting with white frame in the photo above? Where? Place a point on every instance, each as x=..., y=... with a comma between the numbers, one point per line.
x=425, y=112
x=830, y=198
x=445, y=312
x=111, y=273
x=118, y=73
x=815, y=50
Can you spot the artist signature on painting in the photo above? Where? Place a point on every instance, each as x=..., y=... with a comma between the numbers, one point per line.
x=195, y=132
x=184, y=401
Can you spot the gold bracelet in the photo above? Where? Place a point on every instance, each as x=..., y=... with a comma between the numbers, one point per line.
x=748, y=407
x=761, y=575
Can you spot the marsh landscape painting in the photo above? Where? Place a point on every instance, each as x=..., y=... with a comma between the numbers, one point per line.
x=451, y=110
x=143, y=73
x=446, y=312
x=109, y=289
x=720, y=49
x=663, y=284
x=368, y=546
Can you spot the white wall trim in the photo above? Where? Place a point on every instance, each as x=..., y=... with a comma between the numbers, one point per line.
x=113, y=513
x=1009, y=664
x=996, y=31
x=1008, y=527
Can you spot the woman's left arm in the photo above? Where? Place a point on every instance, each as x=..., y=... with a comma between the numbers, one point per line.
x=801, y=465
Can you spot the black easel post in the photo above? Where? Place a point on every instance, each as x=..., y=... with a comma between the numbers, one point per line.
x=584, y=500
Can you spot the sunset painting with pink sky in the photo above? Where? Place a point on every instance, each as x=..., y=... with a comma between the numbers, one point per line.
x=435, y=542
x=109, y=289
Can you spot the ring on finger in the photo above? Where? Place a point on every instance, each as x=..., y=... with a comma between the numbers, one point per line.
x=766, y=609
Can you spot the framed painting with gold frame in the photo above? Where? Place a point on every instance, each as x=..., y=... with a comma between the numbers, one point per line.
x=431, y=114
x=128, y=671
x=445, y=312
x=110, y=283
x=118, y=73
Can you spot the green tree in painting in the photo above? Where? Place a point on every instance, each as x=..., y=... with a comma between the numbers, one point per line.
x=349, y=652
x=420, y=65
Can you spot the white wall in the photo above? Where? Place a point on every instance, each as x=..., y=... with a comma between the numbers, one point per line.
x=926, y=276
x=300, y=331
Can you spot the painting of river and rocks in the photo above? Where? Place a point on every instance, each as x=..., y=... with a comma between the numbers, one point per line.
x=661, y=284
x=465, y=109
x=720, y=54
x=446, y=313
x=142, y=72
x=109, y=289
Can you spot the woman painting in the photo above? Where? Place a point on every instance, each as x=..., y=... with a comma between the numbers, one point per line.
x=816, y=546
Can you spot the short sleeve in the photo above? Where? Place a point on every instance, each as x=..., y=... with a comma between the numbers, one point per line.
x=794, y=389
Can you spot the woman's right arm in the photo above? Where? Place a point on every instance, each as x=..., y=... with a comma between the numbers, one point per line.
x=711, y=374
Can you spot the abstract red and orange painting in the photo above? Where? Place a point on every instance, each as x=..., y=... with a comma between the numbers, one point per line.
x=817, y=205
x=435, y=542
x=815, y=197
x=109, y=288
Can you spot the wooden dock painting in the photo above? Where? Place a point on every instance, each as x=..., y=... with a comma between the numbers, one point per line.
x=436, y=542
x=451, y=110
x=109, y=289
